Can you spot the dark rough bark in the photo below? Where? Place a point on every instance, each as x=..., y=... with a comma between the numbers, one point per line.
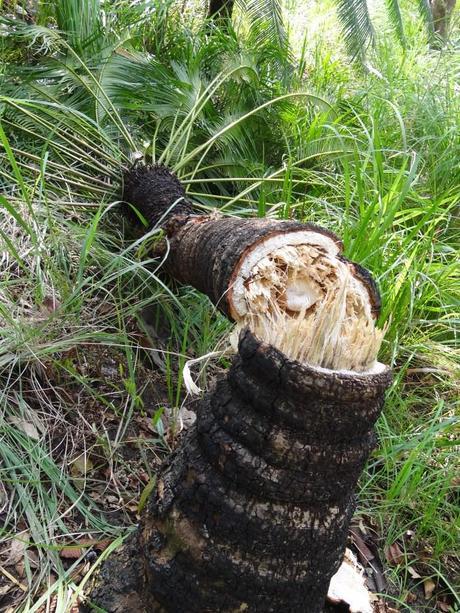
x=204, y=250
x=251, y=512
x=442, y=12
x=156, y=193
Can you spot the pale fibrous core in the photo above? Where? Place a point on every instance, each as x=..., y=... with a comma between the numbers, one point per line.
x=296, y=294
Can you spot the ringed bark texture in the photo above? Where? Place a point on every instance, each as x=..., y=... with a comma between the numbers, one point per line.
x=156, y=193
x=251, y=513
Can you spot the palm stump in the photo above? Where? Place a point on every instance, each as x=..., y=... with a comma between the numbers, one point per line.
x=251, y=512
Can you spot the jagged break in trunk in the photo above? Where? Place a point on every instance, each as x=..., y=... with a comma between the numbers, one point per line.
x=251, y=512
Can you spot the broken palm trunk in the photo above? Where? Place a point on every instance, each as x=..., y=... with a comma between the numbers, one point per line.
x=251, y=512
x=286, y=280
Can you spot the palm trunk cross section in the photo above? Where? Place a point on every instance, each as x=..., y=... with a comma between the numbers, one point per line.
x=251, y=512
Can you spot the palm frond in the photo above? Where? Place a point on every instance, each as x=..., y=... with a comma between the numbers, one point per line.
x=137, y=82
x=80, y=23
x=356, y=25
x=266, y=18
x=394, y=14
x=40, y=39
x=427, y=15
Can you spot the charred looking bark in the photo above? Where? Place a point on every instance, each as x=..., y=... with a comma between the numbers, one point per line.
x=251, y=513
x=156, y=193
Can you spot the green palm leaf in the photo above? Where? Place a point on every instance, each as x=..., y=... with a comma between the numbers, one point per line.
x=424, y=7
x=80, y=23
x=394, y=14
x=267, y=19
x=356, y=25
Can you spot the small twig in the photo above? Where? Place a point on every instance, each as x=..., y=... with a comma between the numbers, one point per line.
x=13, y=579
x=439, y=371
x=3, y=493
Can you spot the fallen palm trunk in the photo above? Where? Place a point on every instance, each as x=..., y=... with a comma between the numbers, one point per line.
x=252, y=511
x=287, y=280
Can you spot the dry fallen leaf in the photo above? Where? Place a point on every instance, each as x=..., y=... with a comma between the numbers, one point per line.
x=428, y=587
x=25, y=426
x=413, y=573
x=187, y=417
x=30, y=560
x=71, y=553
x=17, y=548
x=364, y=553
x=96, y=543
x=393, y=554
